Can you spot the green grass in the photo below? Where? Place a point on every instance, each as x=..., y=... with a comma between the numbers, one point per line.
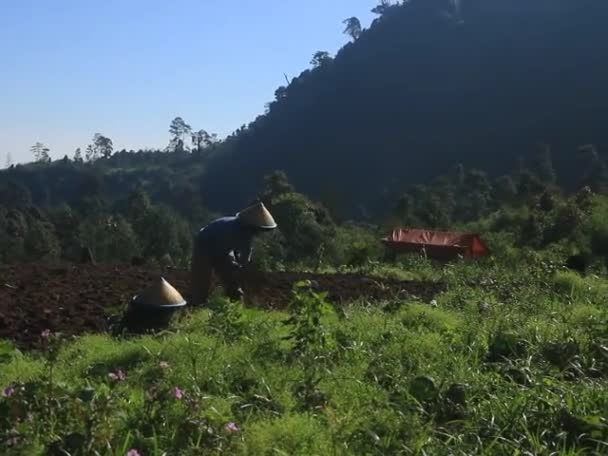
x=509, y=361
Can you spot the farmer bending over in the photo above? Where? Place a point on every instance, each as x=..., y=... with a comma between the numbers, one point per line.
x=224, y=247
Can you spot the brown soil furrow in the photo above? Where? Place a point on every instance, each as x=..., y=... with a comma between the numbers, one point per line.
x=77, y=299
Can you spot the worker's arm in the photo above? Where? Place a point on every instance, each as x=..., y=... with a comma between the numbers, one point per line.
x=244, y=253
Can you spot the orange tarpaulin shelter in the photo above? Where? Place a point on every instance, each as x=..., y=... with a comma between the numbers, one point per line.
x=439, y=245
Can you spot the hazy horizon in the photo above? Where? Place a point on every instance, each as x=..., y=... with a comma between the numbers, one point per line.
x=126, y=70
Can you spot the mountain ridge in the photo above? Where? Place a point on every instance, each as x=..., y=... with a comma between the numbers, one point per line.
x=481, y=87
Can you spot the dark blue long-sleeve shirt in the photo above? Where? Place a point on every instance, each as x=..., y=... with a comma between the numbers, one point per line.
x=226, y=237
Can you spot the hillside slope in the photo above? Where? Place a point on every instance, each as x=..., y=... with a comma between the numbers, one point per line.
x=424, y=88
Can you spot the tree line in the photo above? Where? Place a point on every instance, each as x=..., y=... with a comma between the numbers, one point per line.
x=527, y=205
x=183, y=139
x=134, y=228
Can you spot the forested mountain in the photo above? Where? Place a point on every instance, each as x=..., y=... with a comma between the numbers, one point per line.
x=440, y=115
x=430, y=84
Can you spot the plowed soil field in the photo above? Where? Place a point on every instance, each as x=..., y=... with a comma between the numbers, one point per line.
x=75, y=299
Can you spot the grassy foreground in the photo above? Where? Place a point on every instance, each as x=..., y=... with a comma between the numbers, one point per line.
x=507, y=361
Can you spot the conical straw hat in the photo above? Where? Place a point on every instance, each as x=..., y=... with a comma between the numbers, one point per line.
x=160, y=294
x=257, y=215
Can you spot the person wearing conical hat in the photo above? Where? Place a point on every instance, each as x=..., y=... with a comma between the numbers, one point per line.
x=224, y=246
x=161, y=294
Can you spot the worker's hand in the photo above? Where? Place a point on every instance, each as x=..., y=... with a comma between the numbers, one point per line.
x=247, y=270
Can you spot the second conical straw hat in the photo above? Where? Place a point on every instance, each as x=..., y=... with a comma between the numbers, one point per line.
x=160, y=294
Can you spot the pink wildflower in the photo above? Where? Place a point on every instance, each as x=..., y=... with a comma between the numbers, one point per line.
x=118, y=375
x=177, y=392
x=12, y=441
x=163, y=365
x=231, y=427
x=9, y=391
x=133, y=452
x=14, y=438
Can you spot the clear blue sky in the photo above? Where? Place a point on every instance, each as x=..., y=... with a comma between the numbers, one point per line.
x=125, y=68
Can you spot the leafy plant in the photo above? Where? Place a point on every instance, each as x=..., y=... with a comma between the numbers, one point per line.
x=226, y=317
x=309, y=340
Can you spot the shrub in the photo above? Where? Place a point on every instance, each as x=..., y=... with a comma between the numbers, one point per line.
x=307, y=227
x=353, y=246
x=269, y=251
x=109, y=238
x=597, y=228
x=41, y=243
x=570, y=283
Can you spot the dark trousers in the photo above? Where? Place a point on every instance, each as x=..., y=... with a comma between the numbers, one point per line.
x=202, y=268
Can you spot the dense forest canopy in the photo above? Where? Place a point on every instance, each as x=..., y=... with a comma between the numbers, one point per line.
x=430, y=84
